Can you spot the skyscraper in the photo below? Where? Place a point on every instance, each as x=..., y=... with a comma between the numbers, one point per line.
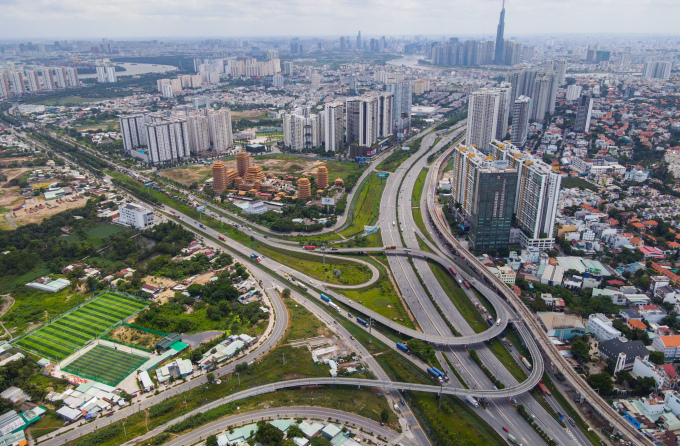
x=316, y=81
x=334, y=127
x=133, y=131
x=536, y=195
x=369, y=117
x=543, y=96
x=583, y=113
x=485, y=191
x=219, y=171
x=219, y=125
x=482, y=122
x=401, y=111
x=243, y=160
x=168, y=141
x=359, y=41
x=573, y=92
x=301, y=132
x=199, y=133
x=33, y=81
x=504, y=107
x=4, y=86
x=657, y=70
x=520, y=121
x=343, y=44
x=499, y=52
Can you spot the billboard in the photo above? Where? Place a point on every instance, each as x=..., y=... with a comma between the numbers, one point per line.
x=328, y=201
x=382, y=175
x=370, y=229
x=200, y=208
x=501, y=164
x=148, y=183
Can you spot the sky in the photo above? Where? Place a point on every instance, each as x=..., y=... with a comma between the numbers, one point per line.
x=129, y=19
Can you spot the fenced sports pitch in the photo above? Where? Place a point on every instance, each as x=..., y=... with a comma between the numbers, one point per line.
x=105, y=364
x=67, y=334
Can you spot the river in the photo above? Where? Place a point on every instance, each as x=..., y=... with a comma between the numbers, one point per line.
x=133, y=69
x=411, y=61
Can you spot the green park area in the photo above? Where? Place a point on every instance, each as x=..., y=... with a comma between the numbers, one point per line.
x=366, y=206
x=284, y=362
x=381, y=297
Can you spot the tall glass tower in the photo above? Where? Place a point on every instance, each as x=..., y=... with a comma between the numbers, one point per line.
x=498, y=59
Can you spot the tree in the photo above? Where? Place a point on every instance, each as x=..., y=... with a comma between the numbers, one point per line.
x=580, y=349
x=268, y=435
x=646, y=383
x=286, y=293
x=211, y=377
x=211, y=440
x=294, y=431
x=657, y=357
x=601, y=381
x=385, y=415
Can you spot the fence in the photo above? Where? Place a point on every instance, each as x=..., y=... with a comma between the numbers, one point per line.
x=78, y=307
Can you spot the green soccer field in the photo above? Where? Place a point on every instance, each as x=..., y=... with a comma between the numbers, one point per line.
x=68, y=334
x=105, y=364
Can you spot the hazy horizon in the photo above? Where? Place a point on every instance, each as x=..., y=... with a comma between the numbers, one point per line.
x=174, y=19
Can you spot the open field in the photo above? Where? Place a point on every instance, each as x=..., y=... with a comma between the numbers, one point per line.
x=35, y=209
x=110, y=125
x=187, y=175
x=367, y=206
x=381, y=297
x=105, y=364
x=70, y=100
x=66, y=335
x=132, y=335
x=277, y=164
x=351, y=273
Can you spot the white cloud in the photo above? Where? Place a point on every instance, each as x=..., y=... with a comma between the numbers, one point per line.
x=225, y=18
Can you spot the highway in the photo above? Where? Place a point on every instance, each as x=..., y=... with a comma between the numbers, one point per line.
x=433, y=325
x=557, y=361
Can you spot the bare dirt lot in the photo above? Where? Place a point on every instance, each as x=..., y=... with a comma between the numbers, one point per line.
x=36, y=209
x=296, y=166
x=135, y=336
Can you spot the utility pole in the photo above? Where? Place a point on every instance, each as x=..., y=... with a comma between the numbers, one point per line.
x=370, y=326
x=239, y=379
x=323, y=254
x=124, y=431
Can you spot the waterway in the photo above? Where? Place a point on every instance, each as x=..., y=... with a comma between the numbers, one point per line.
x=411, y=61
x=133, y=69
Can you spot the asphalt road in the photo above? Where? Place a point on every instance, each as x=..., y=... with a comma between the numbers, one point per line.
x=304, y=412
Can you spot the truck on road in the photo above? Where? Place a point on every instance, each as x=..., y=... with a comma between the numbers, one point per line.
x=472, y=401
x=403, y=348
x=221, y=237
x=467, y=285
x=310, y=247
x=512, y=439
x=526, y=362
x=362, y=322
x=325, y=298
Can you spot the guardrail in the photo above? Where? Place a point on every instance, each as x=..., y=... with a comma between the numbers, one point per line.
x=574, y=379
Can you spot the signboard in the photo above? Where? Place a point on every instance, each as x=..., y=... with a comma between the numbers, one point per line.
x=370, y=229
x=382, y=175
x=148, y=183
x=405, y=148
x=200, y=208
x=328, y=200
x=360, y=159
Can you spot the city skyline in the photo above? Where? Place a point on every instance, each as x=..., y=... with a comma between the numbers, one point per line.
x=71, y=19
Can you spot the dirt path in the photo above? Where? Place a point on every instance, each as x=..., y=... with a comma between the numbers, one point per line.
x=8, y=301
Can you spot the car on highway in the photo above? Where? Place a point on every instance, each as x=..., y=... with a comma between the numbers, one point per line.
x=506, y=429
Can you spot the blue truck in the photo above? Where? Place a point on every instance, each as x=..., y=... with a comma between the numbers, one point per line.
x=362, y=322
x=441, y=374
x=435, y=375
x=325, y=298
x=403, y=348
